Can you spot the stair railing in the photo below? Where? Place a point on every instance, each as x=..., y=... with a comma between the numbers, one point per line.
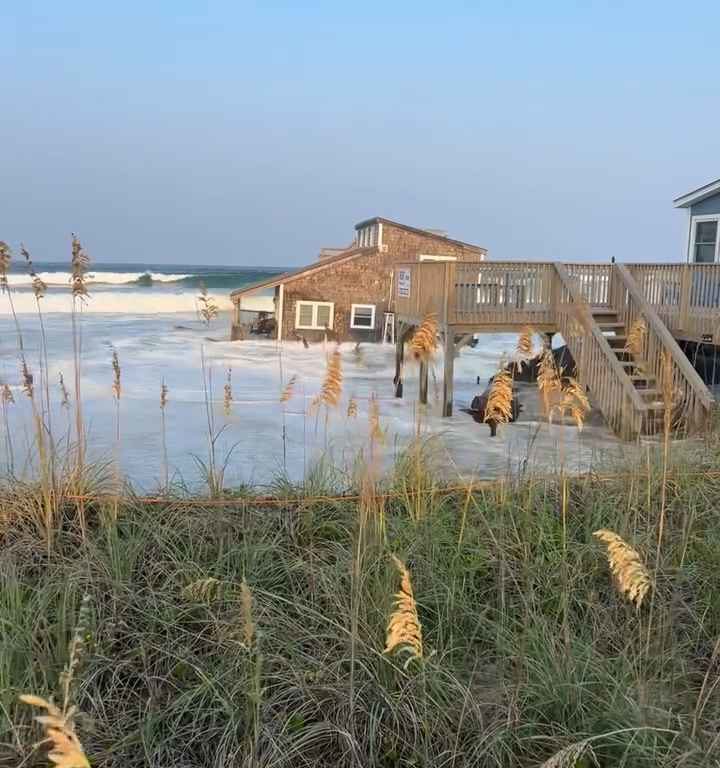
x=598, y=367
x=692, y=401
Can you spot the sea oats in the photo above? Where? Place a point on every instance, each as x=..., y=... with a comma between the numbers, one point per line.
x=163, y=395
x=228, y=393
x=246, y=600
x=377, y=433
x=66, y=751
x=569, y=756
x=499, y=403
x=331, y=389
x=404, y=631
x=38, y=285
x=28, y=381
x=288, y=390
x=352, y=409
x=203, y=590
x=79, y=264
x=64, y=394
x=574, y=402
x=424, y=341
x=635, y=343
x=5, y=261
x=116, y=387
x=548, y=380
x=208, y=308
x=631, y=576
x=6, y=395
x=525, y=348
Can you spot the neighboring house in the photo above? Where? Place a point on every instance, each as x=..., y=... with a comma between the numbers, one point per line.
x=346, y=293
x=703, y=238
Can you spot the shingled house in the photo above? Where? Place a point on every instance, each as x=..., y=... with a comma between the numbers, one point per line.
x=347, y=294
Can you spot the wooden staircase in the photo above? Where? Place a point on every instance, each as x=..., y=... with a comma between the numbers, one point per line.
x=628, y=389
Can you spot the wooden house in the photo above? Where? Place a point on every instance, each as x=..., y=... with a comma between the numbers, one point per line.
x=703, y=234
x=348, y=294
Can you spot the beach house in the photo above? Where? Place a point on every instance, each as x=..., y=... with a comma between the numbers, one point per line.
x=703, y=233
x=348, y=293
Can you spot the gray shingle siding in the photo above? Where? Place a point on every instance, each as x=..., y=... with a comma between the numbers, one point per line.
x=707, y=207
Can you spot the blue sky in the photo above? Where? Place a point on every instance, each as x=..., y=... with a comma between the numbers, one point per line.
x=255, y=133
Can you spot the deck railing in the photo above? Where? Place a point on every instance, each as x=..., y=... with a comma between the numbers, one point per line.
x=685, y=296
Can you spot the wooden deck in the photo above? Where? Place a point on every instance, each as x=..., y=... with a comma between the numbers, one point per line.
x=593, y=306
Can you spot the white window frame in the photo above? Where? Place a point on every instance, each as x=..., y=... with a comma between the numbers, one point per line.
x=694, y=220
x=436, y=257
x=370, y=327
x=314, y=305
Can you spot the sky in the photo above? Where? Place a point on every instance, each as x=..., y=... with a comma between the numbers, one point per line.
x=255, y=133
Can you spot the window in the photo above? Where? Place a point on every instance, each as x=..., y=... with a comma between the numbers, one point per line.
x=362, y=316
x=314, y=315
x=368, y=236
x=704, y=246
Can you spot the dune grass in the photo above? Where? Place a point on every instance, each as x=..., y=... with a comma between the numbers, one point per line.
x=244, y=633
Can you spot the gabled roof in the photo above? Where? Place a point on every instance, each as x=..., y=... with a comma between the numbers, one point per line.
x=425, y=232
x=708, y=190
x=288, y=277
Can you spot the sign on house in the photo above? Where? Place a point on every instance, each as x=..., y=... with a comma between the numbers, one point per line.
x=403, y=283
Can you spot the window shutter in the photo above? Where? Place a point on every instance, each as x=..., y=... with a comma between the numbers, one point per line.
x=305, y=315
x=323, y=316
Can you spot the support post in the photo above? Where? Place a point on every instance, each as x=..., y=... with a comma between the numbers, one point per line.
x=448, y=373
x=399, y=360
x=423, y=382
x=684, y=297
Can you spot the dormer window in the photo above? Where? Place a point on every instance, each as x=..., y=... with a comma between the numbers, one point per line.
x=368, y=236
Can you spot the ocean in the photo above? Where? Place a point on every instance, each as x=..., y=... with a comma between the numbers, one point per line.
x=148, y=315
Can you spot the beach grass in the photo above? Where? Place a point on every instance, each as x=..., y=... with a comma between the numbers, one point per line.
x=252, y=630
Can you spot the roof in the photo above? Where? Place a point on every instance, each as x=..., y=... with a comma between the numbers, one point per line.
x=708, y=190
x=426, y=232
x=287, y=277
x=347, y=255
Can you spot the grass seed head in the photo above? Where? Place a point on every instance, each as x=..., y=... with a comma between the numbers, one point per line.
x=28, y=380
x=5, y=260
x=163, y=395
x=637, y=334
x=525, y=348
x=228, y=393
x=352, y=409
x=631, y=576
x=377, y=433
x=548, y=380
x=6, y=395
x=424, y=341
x=331, y=389
x=404, y=631
x=288, y=390
x=66, y=751
x=499, y=402
x=208, y=308
x=79, y=264
x=203, y=590
x=116, y=386
x=574, y=402
x=246, y=600
x=38, y=284
x=569, y=756
x=64, y=394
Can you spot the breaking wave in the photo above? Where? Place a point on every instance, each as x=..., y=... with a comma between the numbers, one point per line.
x=101, y=278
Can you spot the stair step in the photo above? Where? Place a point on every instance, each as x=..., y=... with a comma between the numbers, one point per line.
x=615, y=338
x=610, y=326
x=647, y=392
x=643, y=377
x=633, y=364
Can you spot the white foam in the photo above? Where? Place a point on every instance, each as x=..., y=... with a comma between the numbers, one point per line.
x=109, y=302
x=99, y=278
